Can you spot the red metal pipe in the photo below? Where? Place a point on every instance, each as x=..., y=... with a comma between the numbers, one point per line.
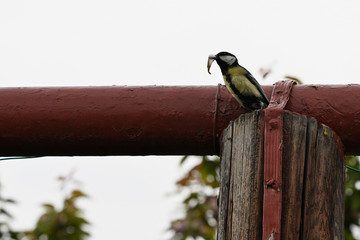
x=70, y=121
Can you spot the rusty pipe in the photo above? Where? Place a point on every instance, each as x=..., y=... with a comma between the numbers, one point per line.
x=160, y=120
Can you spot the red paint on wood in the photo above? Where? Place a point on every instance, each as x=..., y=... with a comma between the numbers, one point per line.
x=272, y=201
x=150, y=120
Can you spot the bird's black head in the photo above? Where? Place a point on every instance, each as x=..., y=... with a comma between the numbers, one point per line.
x=224, y=60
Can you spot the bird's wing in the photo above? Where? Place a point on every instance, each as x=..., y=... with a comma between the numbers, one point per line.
x=253, y=81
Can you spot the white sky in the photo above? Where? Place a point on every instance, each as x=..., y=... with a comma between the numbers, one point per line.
x=158, y=42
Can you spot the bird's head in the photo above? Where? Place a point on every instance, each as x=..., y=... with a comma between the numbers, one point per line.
x=223, y=59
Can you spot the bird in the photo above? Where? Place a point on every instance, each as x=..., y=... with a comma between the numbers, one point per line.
x=239, y=81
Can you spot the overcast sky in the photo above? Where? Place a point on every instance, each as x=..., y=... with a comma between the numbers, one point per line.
x=158, y=42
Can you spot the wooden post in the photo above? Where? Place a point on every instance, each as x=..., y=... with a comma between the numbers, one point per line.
x=312, y=173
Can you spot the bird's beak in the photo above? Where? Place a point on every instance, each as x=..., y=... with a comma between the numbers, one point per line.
x=211, y=59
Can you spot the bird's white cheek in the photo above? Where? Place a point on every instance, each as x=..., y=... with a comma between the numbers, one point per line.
x=228, y=59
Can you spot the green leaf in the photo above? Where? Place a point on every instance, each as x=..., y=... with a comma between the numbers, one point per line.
x=6, y=213
x=77, y=194
x=183, y=159
x=9, y=200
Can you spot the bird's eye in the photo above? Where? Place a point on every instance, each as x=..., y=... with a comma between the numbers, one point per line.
x=228, y=59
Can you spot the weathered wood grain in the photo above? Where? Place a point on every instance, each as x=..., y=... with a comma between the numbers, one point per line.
x=294, y=154
x=225, y=168
x=244, y=203
x=313, y=180
x=324, y=189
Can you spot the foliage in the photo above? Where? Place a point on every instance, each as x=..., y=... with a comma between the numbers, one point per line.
x=5, y=230
x=200, y=204
x=352, y=197
x=64, y=224
x=61, y=224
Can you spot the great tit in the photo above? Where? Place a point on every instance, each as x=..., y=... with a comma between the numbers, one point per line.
x=239, y=81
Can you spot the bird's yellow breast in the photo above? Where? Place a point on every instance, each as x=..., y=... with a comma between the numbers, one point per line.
x=241, y=82
x=231, y=91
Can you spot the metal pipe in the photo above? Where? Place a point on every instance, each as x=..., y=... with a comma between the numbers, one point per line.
x=150, y=120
